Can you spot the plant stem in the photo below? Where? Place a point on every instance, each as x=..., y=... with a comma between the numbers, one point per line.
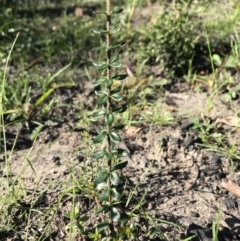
x=108, y=24
x=109, y=146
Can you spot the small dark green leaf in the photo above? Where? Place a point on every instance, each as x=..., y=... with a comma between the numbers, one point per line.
x=115, y=58
x=100, y=48
x=117, y=45
x=101, y=92
x=115, y=90
x=102, y=177
x=98, y=154
x=83, y=219
x=114, y=136
x=102, y=226
x=100, y=137
x=109, y=155
x=99, y=63
x=102, y=100
x=102, y=67
x=98, y=113
x=98, y=82
x=114, y=214
x=108, y=83
x=99, y=210
x=118, y=127
x=100, y=31
x=120, y=77
x=114, y=178
x=120, y=165
x=121, y=109
x=116, y=64
x=109, y=118
x=80, y=227
x=116, y=196
x=116, y=96
x=104, y=195
x=124, y=218
x=120, y=152
x=114, y=29
x=117, y=11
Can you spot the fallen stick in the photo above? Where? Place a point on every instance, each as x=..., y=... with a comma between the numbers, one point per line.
x=231, y=186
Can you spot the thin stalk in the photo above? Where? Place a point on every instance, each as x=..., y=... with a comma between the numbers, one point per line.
x=2, y=125
x=109, y=52
x=109, y=75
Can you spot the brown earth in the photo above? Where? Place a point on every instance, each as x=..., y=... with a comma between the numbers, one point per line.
x=182, y=179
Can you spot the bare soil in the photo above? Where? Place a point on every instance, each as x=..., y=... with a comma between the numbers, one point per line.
x=182, y=179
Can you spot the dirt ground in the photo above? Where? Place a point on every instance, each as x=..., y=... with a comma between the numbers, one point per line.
x=181, y=179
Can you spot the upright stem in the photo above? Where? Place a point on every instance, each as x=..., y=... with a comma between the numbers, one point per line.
x=109, y=146
x=108, y=24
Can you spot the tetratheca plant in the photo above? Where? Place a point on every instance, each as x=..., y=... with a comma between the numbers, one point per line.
x=108, y=178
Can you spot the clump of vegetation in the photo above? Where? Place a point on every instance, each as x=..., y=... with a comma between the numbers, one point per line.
x=174, y=34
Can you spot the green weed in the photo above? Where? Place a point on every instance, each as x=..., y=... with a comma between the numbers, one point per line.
x=108, y=177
